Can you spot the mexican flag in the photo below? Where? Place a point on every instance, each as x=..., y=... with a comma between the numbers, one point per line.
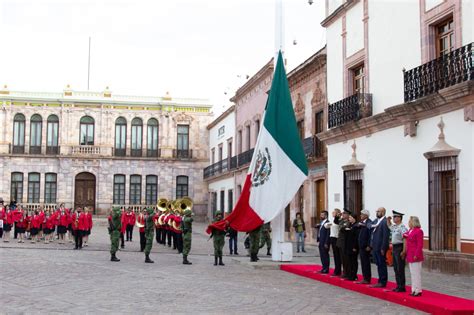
x=278, y=166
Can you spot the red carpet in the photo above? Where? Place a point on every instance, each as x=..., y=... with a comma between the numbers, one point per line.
x=430, y=302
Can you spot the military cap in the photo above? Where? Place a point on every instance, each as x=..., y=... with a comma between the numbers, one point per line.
x=397, y=214
x=347, y=211
x=187, y=212
x=218, y=213
x=150, y=210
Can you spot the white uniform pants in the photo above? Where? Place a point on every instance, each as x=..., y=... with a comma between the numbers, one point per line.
x=415, y=272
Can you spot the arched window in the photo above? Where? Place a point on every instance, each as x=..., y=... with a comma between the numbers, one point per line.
x=19, y=133
x=16, y=188
x=152, y=138
x=86, y=131
x=151, y=190
x=120, y=136
x=52, y=135
x=119, y=189
x=181, y=186
x=33, y=187
x=137, y=133
x=36, y=124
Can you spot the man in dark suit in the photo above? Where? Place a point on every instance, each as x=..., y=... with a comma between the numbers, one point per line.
x=323, y=240
x=379, y=244
x=364, y=246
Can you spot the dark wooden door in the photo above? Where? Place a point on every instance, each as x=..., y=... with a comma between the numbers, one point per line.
x=85, y=191
x=320, y=197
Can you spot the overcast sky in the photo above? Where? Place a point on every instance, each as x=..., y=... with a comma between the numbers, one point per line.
x=191, y=48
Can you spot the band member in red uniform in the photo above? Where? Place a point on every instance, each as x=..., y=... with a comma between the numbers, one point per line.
x=130, y=219
x=11, y=216
x=48, y=227
x=63, y=222
x=70, y=233
x=2, y=217
x=123, y=220
x=21, y=226
x=141, y=229
x=178, y=232
x=89, y=224
x=35, y=224
x=78, y=227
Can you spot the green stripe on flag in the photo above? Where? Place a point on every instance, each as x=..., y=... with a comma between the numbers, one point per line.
x=280, y=118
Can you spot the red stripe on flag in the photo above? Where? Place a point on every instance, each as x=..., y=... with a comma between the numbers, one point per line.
x=243, y=218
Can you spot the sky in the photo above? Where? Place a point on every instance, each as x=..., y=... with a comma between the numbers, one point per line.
x=189, y=48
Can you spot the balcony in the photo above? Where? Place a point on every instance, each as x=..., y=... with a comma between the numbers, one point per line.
x=351, y=108
x=313, y=147
x=153, y=153
x=440, y=73
x=182, y=153
x=18, y=149
x=35, y=149
x=244, y=158
x=89, y=150
x=53, y=150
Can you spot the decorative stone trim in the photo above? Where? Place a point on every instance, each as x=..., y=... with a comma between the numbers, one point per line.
x=353, y=163
x=410, y=128
x=469, y=113
x=441, y=148
x=447, y=100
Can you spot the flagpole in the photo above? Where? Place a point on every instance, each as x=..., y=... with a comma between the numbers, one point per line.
x=89, y=65
x=281, y=251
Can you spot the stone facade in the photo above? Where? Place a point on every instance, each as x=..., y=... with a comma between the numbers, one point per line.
x=101, y=159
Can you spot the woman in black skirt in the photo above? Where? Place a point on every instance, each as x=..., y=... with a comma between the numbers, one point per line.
x=7, y=224
x=21, y=226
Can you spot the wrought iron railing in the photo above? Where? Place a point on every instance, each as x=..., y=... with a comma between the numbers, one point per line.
x=351, y=108
x=447, y=70
x=244, y=157
x=313, y=147
x=183, y=153
x=233, y=162
x=53, y=150
x=18, y=149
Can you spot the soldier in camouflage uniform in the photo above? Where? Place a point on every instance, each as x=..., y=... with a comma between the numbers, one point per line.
x=266, y=237
x=219, y=240
x=187, y=227
x=254, y=237
x=149, y=231
x=115, y=225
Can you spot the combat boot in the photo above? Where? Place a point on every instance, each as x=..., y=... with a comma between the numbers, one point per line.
x=268, y=252
x=220, y=261
x=114, y=258
x=253, y=257
x=215, y=260
x=148, y=260
x=186, y=261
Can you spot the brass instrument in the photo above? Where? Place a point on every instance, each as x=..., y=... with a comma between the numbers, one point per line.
x=162, y=204
x=138, y=224
x=183, y=204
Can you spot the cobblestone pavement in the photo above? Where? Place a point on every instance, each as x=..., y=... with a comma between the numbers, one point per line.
x=53, y=278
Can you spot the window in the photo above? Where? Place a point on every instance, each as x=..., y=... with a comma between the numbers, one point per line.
x=120, y=136
x=183, y=141
x=19, y=134
x=181, y=186
x=220, y=152
x=222, y=201
x=230, y=200
x=16, y=189
x=152, y=138
x=239, y=142
x=119, y=189
x=151, y=190
x=443, y=203
x=319, y=120
x=257, y=128
x=33, y=188
x=50, y=188
x=353, y=191
x=137, y=134
x=445, y=37
x=36, y=124
x=135, y=189
x=52, y=135
x=213, y=156
x=213, y=203
x=229, y=149
x=358, y=80
x=247, y=130
x=86, y=131
x=221, y=131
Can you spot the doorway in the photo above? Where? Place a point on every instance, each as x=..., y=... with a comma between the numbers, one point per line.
x=84, y=195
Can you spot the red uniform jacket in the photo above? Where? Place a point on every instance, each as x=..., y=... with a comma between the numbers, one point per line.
x=63, y=219
x=123, y=220
x=141, y=220
x=35, y=221
x=177, y=219
x=130, y=218
x=22, y=222
x=79, y=221
x=89, y=223
x=49, y=222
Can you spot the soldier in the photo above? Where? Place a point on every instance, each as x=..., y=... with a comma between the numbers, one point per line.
x=115, y=225
x=266, y=237
x=254, y=237
x=187, y=225
x=149, y=231
x=219, y=240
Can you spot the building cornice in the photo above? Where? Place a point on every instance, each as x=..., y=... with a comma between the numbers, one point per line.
x=221, y=117
x=447, y=100
x=342, y=9
x=266, y=70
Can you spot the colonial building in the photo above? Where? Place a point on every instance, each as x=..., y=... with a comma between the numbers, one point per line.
x=307, y=84
x=401, y=133
x=218, y=175
x=100, y=149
